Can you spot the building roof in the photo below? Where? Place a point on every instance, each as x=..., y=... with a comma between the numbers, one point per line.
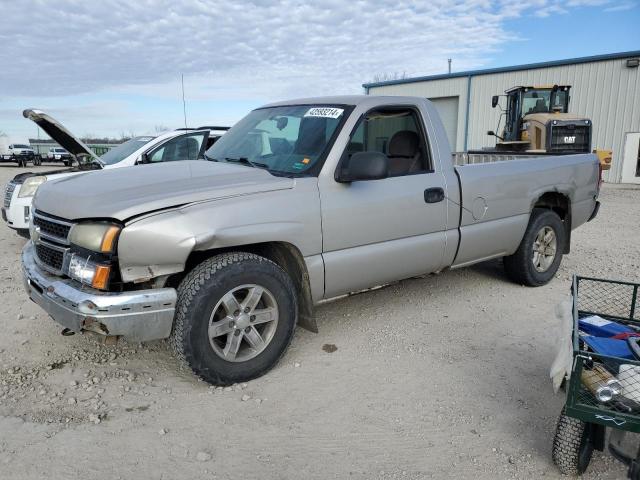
x=515, y=68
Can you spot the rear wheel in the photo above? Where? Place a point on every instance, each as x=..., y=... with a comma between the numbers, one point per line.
x=572, y=445
x=539, y=255
x=235, y=318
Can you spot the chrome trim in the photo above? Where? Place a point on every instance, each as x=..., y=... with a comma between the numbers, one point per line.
x=8, y=193
x=49, y=268
x=65, y=240
x=140, y=315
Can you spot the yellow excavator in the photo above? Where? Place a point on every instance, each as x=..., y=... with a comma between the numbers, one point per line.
x=537, y=120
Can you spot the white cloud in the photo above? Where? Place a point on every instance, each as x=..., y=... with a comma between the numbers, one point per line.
x=105, y=57
x=259, y=48
x=621, y=6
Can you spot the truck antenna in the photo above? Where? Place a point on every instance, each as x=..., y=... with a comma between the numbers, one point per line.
x=184, y=105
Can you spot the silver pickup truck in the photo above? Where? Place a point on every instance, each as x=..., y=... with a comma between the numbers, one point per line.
x=299, y=202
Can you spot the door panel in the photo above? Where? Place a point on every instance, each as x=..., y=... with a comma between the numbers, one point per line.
x=379, y=231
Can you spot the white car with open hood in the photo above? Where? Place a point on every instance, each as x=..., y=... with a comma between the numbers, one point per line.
x=180, y=144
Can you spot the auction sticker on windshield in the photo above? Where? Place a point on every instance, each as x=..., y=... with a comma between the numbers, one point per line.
x=324, y=112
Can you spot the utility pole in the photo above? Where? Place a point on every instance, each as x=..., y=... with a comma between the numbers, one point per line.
x=449, y=60
x=184, y=104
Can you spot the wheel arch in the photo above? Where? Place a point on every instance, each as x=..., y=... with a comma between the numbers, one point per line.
x=560, y=204
x=284, y=254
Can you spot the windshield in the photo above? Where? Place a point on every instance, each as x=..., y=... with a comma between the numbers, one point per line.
x=540, y=101
x=59, y=150
x=21, y=146
x=289, y=139
x=123, y=150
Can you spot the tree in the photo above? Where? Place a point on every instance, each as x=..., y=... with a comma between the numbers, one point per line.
x=385, y=77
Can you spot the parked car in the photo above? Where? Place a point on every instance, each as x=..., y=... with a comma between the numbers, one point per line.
x=57, y=154
x=17, y=152
x=300, y=201
x=180, y=144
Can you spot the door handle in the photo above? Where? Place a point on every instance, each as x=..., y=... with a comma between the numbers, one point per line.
x=434, y=195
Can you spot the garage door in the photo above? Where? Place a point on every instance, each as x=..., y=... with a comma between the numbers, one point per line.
x=631, y=158
x=447, y=108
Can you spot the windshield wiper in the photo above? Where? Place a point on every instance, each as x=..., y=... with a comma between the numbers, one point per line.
x=246, y=161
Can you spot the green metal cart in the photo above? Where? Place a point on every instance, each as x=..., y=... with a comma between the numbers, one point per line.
x=587, y=414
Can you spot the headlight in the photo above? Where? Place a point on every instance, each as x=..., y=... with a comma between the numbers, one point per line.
x=99, y=237
x=30, y=186
x=88, y=272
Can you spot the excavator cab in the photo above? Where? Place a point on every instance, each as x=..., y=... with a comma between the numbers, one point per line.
x=523, y=101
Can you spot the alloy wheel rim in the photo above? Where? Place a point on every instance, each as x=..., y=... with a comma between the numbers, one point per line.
x=545, y=247
x=243, y=323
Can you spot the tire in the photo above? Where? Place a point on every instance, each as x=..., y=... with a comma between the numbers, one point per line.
x=521, y=267
x=66, y=163
x=203, y=299
x=572, y=445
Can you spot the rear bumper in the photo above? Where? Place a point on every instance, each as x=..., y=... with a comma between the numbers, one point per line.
x=140, y=315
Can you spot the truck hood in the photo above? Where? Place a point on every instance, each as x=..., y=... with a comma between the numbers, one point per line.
x=59, y=133
x=124, y=193
x=52, y=174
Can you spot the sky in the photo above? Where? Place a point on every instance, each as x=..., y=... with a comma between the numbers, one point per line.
x=113, y=68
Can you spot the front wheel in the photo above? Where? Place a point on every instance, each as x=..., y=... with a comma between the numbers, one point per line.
x=572, y=445
x=235, y=317
x=539, y=255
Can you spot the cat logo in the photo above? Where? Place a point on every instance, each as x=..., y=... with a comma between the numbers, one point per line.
x=571, y=139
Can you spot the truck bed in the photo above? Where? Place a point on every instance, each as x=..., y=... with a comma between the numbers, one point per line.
x=498, y=196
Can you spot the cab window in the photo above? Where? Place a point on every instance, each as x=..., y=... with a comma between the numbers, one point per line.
x=395, y=133
x=184, y=147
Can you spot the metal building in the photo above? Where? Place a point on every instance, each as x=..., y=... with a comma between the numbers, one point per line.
x=99, y=146
x=605, y=88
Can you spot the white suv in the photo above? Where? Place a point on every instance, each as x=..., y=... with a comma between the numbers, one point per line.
x=180, y=144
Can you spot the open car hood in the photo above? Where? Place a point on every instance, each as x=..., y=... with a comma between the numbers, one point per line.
x=57, y=132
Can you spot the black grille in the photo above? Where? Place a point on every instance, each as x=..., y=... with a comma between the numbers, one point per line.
x=52, y=228
x=570, y=138
x=8, y=193
x=50, y=256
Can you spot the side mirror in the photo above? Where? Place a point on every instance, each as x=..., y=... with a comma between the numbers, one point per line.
x=494, y=101
x=491, y=133
x=144, y=158
x=365, y=166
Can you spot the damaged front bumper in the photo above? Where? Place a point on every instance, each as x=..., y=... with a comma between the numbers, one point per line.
x=139, y=315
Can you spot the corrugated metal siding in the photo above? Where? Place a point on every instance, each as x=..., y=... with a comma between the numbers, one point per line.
x=454, y=87
x=607, y=92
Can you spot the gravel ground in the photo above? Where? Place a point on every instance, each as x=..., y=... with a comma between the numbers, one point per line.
x=440, y=377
